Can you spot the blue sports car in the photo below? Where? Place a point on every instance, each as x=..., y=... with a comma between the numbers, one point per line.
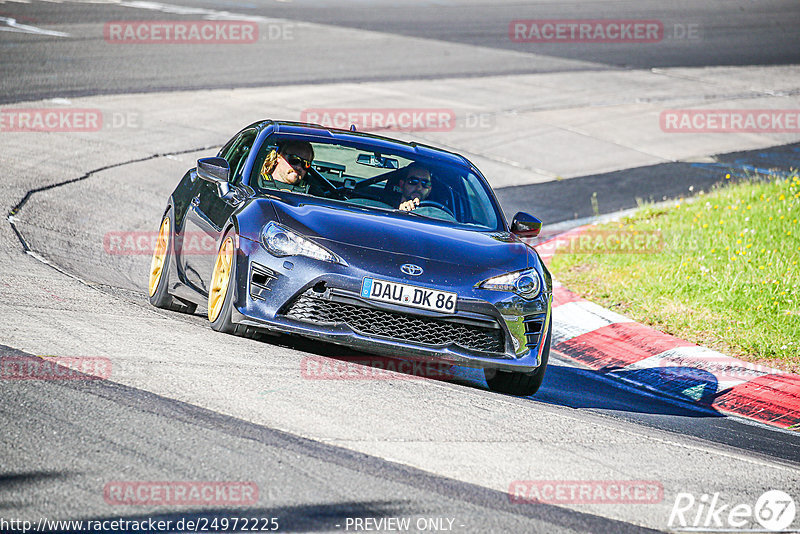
x=393, y=248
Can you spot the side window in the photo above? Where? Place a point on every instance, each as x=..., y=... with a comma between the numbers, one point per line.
x=236, y=153
x=225, y=149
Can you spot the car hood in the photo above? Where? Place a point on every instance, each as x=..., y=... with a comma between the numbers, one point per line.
x=375, y=237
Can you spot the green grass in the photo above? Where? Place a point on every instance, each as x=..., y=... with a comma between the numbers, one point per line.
x=726, y=276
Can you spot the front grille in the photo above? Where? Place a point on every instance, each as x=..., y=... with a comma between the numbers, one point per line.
x=392, y=325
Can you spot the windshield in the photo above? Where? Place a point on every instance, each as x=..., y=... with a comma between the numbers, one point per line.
x=383, y=181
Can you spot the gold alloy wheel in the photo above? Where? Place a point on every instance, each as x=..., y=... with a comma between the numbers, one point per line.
x=159, y=256
x=220, y=280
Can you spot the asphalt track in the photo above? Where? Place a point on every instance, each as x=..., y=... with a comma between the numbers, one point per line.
x=442, y=33
x=190, y=405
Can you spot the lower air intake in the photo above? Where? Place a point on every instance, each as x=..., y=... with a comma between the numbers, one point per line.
x=392, y=325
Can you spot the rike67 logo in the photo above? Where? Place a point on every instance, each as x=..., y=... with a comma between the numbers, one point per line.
x=773, y=511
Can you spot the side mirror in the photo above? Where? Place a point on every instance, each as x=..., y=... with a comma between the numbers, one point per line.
x=215, y=170
x=525, y=225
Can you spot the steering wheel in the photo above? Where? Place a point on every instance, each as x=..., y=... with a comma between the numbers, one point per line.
x=339, y=193
x=432, y=204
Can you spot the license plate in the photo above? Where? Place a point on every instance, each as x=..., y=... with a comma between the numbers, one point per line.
x=407, y=295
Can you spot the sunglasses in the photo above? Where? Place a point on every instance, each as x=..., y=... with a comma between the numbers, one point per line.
x=414, y=181
x=295, y=160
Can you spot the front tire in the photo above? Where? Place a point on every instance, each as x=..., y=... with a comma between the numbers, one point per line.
x=158, y=285
x=221, y=292
x=520, y=384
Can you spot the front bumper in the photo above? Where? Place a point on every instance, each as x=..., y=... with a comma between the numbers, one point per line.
x=268, y=287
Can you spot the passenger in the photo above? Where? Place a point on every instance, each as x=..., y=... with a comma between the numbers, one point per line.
x=286, y=167
x=415, y=186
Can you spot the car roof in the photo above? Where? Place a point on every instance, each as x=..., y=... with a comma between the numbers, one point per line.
x=315, y=132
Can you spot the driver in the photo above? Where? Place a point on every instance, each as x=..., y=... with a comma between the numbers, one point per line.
x=286, y=167
x=415, y=186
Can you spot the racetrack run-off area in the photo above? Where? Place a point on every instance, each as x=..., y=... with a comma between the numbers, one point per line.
x=645, y=357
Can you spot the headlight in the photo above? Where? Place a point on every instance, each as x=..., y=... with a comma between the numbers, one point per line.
x=280, y=241
x=526, y=284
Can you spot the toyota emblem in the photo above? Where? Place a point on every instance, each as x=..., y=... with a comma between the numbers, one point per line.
x=411, y=269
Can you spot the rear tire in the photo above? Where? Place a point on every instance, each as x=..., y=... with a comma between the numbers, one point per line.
x=159, y=271
x=520, y=384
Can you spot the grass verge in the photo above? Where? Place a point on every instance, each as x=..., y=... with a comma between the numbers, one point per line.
x=720, y=270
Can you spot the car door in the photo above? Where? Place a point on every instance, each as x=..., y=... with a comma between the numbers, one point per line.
x=208, y=213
